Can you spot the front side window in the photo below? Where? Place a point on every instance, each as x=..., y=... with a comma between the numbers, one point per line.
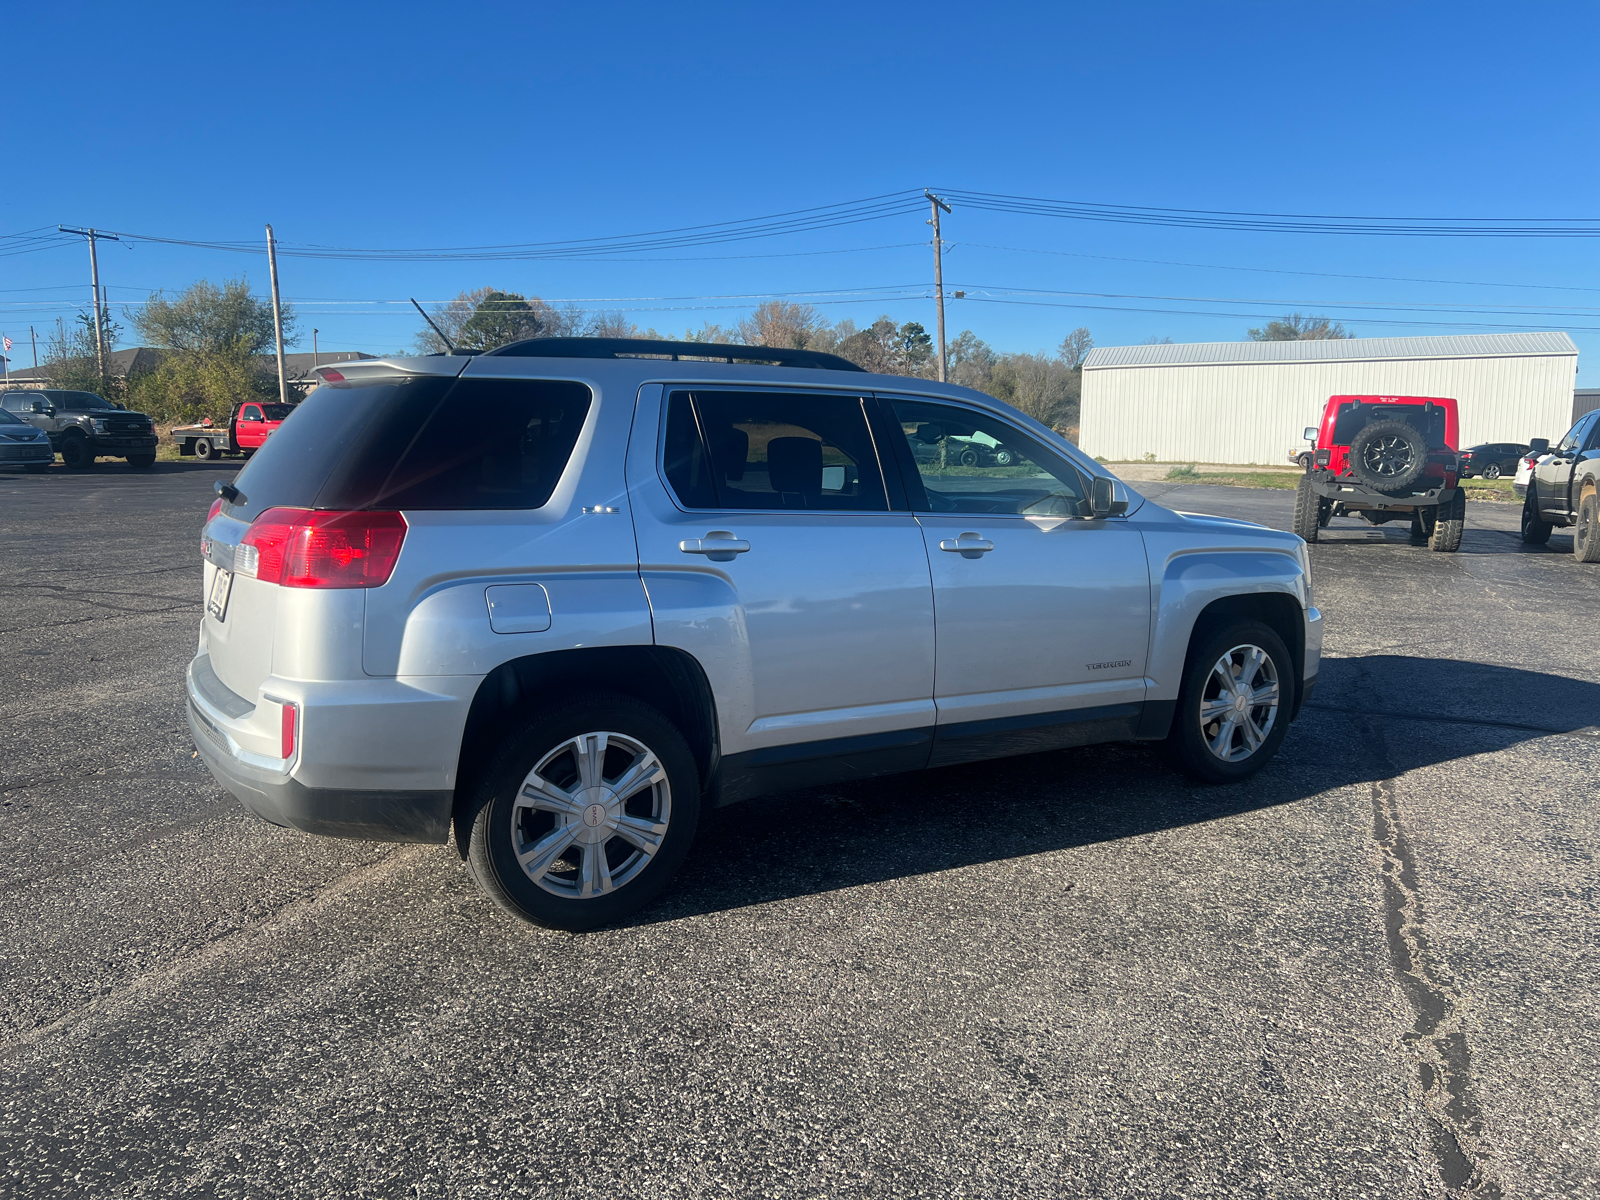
x=971, y=462
x=83, y=402
x=250, y=413
x=771, y=450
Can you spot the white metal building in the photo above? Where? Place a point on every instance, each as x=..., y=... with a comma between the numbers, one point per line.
x=1247, y=402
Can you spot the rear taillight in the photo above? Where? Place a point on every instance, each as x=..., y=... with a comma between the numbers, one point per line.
x=297, y=547
x=1323, y=456
x=216, y=507
x=291, y=713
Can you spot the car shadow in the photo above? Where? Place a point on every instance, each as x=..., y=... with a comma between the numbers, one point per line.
x=805, y=843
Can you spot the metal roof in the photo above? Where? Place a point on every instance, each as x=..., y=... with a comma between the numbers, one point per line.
x=1472, y=345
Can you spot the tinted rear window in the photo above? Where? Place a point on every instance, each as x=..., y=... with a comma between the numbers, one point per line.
x=419, y=443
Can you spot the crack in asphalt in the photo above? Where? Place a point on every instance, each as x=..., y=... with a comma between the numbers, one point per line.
x=1583, y=731
x=115, y=615
x=1437, y=1040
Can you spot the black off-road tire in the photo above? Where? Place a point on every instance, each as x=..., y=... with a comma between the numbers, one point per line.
x=1586, y=533
x=1447, y=528
x=491, y=851
x=1187, y=744
x=203, y=448
x=76, y=452
x=140, y=462
x=1389, y=456
x=1534, y=531
x=1307, y=510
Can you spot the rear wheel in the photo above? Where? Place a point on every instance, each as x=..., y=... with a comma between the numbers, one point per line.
x=1586, y=534
x=1004, y=457
x=1492, y=471
x=203, y=448
x=1450, y=522
x=969, y=458
x=1233, y=706
x=76, y=452
x=585, y=813
x=1534, y=531
x=140, y=461
x=1307, y=510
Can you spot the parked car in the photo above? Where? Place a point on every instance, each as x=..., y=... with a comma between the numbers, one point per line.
x=1492, y=459
x=1303, y=457
x=1385, y=458
x=1564, y=489
x=558, y=597
x=1538, y=448
x=82, y=426
x=979, y=450
x=248, y=428
x=23, y=445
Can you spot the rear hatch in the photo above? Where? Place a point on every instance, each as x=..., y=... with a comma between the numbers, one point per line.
x=333, y=452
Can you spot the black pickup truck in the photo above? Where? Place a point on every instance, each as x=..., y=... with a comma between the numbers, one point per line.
x=83, y=426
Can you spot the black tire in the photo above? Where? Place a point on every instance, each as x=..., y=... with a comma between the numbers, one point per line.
x=1189, y=741
x=1534, y=531
x=499, y=823
x=203, y=448
x=76, y=452
x=1389, y=456
x=969, y=458
x=1492, y=471
x=1004, y=457
x=1586, y=533
x=1307, y=510
x=1450, y=521
x=142, y=461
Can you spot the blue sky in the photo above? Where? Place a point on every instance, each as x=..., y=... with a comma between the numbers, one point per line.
x=408, y=125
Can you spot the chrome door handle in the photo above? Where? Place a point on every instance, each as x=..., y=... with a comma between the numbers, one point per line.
x=968, y=545
x=719, y=546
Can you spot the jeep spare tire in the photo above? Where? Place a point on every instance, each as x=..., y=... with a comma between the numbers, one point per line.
x=1389, y=456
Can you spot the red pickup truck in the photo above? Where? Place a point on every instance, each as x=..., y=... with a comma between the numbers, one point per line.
x=249, y=426
x=1386, y=458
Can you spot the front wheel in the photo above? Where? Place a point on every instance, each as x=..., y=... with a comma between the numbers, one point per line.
x=76, y=453
x=1004, y=458
x=1586, y=534
x=585, y=813
x=1534, y=531
x=1233, y=706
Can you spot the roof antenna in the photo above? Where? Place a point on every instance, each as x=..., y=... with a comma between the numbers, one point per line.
x=447, y=343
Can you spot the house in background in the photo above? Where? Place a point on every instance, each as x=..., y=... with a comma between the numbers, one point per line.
x=140, y=360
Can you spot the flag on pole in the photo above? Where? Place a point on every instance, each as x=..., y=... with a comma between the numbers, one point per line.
x=8, y=345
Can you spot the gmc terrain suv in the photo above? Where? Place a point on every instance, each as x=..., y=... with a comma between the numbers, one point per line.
x=561, y=595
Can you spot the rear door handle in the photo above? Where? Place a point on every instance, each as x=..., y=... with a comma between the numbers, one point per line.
x=719, y=546
x=968, y=545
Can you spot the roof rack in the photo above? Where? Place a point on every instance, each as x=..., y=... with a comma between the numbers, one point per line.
x=585, y=347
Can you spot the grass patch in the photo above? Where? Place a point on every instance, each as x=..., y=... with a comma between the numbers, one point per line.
x=1490, y=489
x=1250, y=479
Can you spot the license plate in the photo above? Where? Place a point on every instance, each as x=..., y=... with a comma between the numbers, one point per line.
x=217, y=602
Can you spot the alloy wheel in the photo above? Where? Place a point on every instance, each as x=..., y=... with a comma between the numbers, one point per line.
x=1239, y=704
x=591, y=815
x=1388, y=456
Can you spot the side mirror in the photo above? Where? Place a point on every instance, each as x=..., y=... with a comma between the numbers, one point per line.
x=1310, y=434
x=1538, y=445
x=1102, y=498
x=41, y=406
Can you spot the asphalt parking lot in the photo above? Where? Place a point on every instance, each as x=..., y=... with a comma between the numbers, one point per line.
x=1372, y=971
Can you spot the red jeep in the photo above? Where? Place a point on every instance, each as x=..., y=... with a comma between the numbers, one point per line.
x=1385, y=458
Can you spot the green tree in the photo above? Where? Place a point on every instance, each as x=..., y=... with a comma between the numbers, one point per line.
x=207, y=319
x=1296, y=328
x=500, y=318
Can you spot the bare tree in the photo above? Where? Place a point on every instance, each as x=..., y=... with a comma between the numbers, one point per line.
x=782, y=323
x=450, y=318
x=1296, y=328
x=1075, y=348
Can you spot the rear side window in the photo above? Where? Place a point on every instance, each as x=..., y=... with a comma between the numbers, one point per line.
x=771, y=450
x=419, y=443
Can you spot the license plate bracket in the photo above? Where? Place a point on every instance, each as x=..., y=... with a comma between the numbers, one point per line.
x=221, y=589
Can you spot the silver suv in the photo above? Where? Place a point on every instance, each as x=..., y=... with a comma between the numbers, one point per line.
x=562, y=595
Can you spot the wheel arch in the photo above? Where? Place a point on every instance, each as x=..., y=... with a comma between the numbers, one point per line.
x=668, y=679
x=1279, y=611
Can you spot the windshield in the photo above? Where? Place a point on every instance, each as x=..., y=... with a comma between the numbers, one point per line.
x=79, y=401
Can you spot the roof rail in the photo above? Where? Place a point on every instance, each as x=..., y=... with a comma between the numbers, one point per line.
x=586, y=347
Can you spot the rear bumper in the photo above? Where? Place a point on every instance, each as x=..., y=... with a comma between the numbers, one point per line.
x=280, y=799
x=375, y=759
x=1345, y=490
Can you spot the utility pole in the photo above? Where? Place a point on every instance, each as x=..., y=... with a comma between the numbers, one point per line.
x=277, y=313
x=94, y=282
x=314, y=360
x=34, y=338
x=938, y=271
